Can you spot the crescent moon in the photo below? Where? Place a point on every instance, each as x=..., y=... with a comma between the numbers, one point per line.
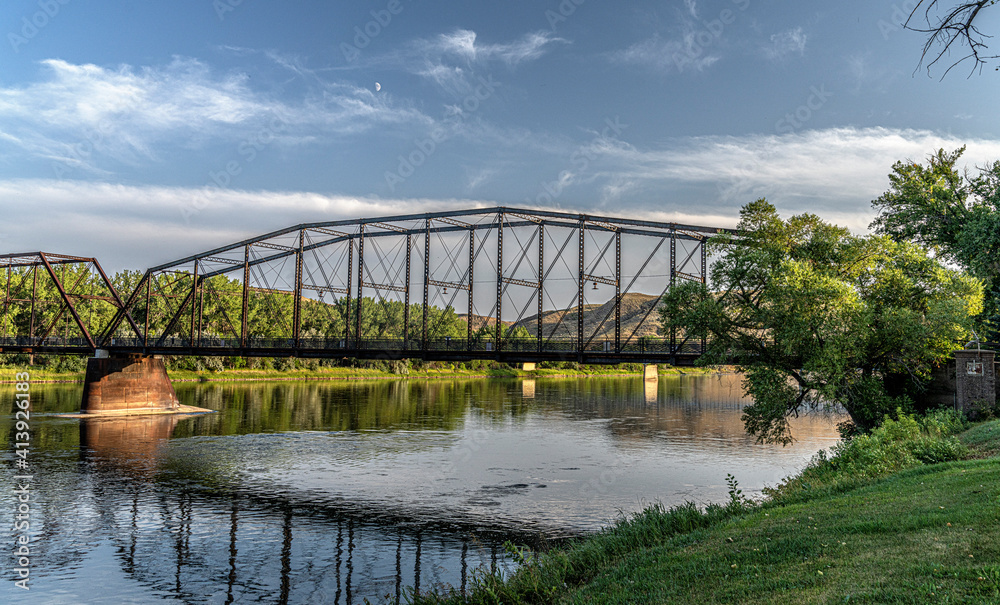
x=378, y=87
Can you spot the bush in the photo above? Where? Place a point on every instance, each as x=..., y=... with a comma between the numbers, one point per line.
x=214, y=364
x=897, y=444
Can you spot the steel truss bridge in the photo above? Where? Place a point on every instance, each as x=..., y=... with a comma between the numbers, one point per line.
x=312, y=291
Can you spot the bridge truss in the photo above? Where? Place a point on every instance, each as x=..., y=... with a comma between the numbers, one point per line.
x=524, y=280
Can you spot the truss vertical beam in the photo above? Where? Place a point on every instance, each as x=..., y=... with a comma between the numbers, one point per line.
x=472, y=265
x=361, y=283
x=673, y=282
x=194, y=301
x=297, y=303
x=201, y=312
x=245, y=323
x=6, y=304
x=499, y=326
x=347, y=296
x=34, y=290
x=149, y=295
x=618, y=292
x=541, y=280
x=406, y=303
x=580, y=291
x=427, y=284
x=704, y=281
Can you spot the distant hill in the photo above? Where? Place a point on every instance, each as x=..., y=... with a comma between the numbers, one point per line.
x=633, y=308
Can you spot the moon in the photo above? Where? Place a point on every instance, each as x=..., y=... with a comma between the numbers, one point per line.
x=378, y=87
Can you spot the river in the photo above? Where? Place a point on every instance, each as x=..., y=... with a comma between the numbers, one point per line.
x=332, y=492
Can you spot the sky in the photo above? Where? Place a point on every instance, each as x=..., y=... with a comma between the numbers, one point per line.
x=142, y=132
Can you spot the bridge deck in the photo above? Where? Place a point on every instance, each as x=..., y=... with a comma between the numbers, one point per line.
x=516, y=351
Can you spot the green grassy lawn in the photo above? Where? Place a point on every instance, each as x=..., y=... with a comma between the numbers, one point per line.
x=927, y=534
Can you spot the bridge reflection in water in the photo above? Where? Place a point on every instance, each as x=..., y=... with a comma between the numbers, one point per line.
x=168, y=539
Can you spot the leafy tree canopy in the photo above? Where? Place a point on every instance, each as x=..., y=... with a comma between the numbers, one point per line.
x=957, y=216
x=813, y=314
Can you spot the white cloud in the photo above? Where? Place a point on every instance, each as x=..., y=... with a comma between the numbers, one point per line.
x=143, y=226
x=676, y=55
x=834, y=173
x=82, y=115
x=455, y=60
x=692, y=7
x=786, y=43
x=462, y=43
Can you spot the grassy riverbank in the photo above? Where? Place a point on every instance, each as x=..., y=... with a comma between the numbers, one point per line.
x=416, y=371
x=909, y=514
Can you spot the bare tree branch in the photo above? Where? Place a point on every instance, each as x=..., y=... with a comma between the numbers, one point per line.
x=948, y=28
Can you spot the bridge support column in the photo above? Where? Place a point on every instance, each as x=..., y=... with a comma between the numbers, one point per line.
x=650, y=372
x=528, y=366
x=129, y=385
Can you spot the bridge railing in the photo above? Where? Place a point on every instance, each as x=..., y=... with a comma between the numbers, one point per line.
x=413, y=347
x=396, y=347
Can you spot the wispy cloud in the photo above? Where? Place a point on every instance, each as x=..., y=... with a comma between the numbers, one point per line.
x=127, y=113
x=142, y=226
x=691, y=44
x=834, y=172
x=704, y=180
x=462, y=43
x=453, y=60
x=784, y=44
x=668, y=56
x=692, y=7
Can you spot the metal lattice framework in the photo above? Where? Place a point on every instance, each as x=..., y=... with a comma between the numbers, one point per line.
x=55, y=302
x=399, y=286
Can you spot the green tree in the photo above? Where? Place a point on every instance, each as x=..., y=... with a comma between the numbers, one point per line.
x=956, y=216
x=812, y=314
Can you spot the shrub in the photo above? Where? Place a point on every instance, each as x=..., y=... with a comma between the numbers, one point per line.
x=898, y=444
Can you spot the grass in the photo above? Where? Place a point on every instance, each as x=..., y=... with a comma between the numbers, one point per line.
x=907, y=531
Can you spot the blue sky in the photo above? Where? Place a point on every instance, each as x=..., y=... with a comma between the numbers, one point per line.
x=140, y=132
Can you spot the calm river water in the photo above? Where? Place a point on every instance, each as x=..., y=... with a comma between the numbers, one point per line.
x=332, y=492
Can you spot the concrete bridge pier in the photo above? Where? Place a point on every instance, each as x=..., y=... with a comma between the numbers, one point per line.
x=129, y=385
x=650, y=372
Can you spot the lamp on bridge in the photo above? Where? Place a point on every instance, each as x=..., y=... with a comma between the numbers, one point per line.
x=595, y=285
